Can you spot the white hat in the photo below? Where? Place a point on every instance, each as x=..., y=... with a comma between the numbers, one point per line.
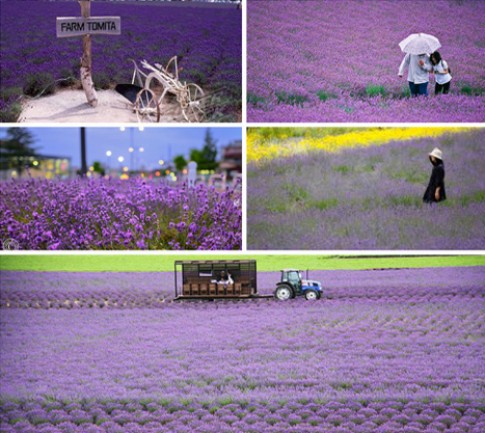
x=437, y=153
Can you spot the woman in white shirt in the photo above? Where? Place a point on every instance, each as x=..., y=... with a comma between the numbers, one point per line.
x=441, y=73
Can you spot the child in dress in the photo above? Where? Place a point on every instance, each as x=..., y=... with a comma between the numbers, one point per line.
x=441, y=72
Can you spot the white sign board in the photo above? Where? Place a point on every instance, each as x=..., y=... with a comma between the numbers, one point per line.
x=67, y=27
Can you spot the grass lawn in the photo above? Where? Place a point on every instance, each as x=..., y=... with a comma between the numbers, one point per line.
x=266, y=262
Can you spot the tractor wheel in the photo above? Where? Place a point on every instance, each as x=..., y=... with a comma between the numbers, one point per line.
x=311, y=295
x=283, y=293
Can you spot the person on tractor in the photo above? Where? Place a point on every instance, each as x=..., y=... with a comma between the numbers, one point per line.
x=225, y=280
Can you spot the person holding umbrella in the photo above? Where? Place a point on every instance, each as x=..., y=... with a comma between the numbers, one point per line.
x=417, y=47
x=435, y=192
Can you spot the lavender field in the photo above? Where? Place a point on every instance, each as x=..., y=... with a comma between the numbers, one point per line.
x=384, y=351
x=369, y=198
x=207, y=41
x=116, y=214
x=337, y=61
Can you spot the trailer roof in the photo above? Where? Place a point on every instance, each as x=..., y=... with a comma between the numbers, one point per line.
x=206, y=262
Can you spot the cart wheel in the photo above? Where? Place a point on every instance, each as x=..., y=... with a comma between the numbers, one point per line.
x=195, y=109
x=147, y=107
x=283, y=293
x=311, y=295
x=172, y=63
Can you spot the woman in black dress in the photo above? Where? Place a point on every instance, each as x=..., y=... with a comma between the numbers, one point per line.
x=436, y=187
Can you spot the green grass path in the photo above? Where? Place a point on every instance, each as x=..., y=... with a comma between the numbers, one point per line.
x=126, y=262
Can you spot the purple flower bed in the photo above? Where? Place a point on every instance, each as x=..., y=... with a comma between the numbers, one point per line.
x=206, y=39
x=369, y=198
x=114, y=214
x=337, y=61
x=398, y=363
x=85, y=290
x=151, y=290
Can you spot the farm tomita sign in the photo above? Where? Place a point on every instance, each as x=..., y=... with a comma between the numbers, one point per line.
x=72, y=26
x=85, y=26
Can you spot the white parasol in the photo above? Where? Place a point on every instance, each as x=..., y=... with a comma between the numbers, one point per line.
x=419, y=43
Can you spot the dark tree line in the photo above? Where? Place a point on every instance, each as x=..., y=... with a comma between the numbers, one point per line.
x=16, y=149
x=205, y=158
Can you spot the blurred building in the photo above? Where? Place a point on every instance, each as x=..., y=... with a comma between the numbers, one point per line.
x=231, y=160
x=39, y=166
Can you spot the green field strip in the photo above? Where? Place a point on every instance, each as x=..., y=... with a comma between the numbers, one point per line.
x=266, y=262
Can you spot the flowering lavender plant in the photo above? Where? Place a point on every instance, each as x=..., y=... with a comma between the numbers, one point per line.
x=337, y=61
x=384, y=351
x=114, y=214
x=369, y=198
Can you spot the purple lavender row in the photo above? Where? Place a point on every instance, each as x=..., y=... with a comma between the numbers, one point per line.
x=337, y=352
x=369, y=198
x=145, y=290
x=449, y=108
x=113, y=214
x=225, y=416
x=340, y=66
x=253, y=350
x=338, y=366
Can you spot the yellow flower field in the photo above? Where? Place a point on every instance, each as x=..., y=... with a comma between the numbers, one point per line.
x=264, y=144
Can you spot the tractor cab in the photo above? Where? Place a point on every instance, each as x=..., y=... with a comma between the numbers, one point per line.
x=292, y=284
x=292, y=276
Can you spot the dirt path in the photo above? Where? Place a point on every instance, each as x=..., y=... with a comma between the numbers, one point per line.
x=70, y=106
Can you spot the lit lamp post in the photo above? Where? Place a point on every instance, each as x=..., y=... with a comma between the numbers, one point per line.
x=120, y=160
x=131, y=150
x=140, y=150
x=108, y=160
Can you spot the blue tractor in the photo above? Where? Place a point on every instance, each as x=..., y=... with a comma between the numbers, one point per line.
x=292, y=284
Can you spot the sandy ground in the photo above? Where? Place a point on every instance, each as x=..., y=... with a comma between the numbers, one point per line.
x=70, y=106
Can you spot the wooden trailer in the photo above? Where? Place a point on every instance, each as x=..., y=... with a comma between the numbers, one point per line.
x=215, y=279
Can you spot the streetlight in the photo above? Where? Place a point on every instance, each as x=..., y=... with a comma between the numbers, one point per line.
x=131, y=150
x=120, y=160
x=140, y=161
x=108, y=160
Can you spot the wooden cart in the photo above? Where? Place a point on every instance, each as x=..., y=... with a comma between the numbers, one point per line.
x=149, y=90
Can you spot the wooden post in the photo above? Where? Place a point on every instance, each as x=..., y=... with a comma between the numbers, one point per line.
x=86, y=62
